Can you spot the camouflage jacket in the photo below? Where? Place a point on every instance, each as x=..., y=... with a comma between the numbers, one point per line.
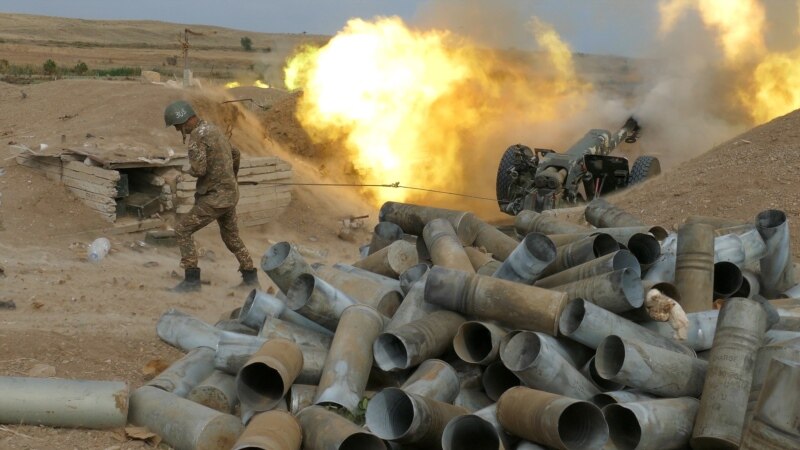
x=215, y=163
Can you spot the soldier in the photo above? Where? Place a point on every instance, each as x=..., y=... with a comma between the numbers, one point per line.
x=215, y=163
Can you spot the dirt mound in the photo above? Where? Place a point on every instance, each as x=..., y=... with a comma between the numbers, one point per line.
x=737, y=179
x=282, y=126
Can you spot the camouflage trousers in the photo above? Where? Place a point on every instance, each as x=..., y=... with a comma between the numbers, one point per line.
x=198, y=217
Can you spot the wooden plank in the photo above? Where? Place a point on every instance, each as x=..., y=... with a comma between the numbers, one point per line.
x=96, y=198
x=267, y=177
x=187, y=185
x=112, y=175
x=89, y=187
x=101, y=207
x=88, y=177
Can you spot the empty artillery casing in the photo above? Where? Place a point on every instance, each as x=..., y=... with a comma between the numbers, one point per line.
x=729, y=248
x=604, y=399
x=413, y=218
x=274, y=328
x=478, y=342
x=499, y=244
x=539, y=365
x=186, y=332
x=531, y=221
x=601, y=214
x=553, y=420
x=581, y=251
x=63, y=403
x=413, y=307
x=645, y=248
x=282, y=263
x=347, y=367
x=608, y=263
x=740, y=330
x=317, y=300
x=777, y=269
x=414, y=342
x=478, y=430
x=650, y=369
x=383, y=294
x=699, y=333
x=268, y=374
x=396, y=415
x=664, y=424
x=715, y=222
x=217, y=391
x=727, y=279
x=383, y=235
x=497, y=378
x=472, y=399
x=750, y=287
x=183, y=424
x=300, y=396
x=514, y=305
x=259, y=305
x=589, y=370
x=271, y=430
x=483, y=263
x=391, y=260
x=528, y=260
x=789, y=351
x=186, y=373
x=589, y=324
x=775, y=424
x=445, y=248
x=434, y=379
x=325, y=430
x=412, y=275
x=617, y=291
x=694, y=267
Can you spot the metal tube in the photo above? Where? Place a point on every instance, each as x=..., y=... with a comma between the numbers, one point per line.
x=391, y=260
x=729, y=248
x=754, y=246
x=283, y=263
x=664, y=424
x=186, y=332
x=789, y=350
x=182, y=424
x=434, y=379
x=750, y=287
x=645, y=248
x=650, y=369
x=601, y=213
x=526, y=445
x=617, y=291
x=699, y=333
x=581, y=251
x=347, y=367
x=186, y=373
x=777, y=269
x=383, y=235
x=694, y=267
x=412, y=275
x=266, y=377
x=550, y=419
x=271, y=430
x=528, y=260
x=445, y=248
x=740, y=330
x=663, y=269
x=55, y=402
x=414, y=342
x=478, y=430
x=234, y=326
x=413, y=307
x=409, y=418
x=589, y=370
x=383, y=296
x=775, y=424
x=497, y=378
x=715, y=222
x=472, y=399
x=727, y=279
x=608, y=263
x=541, y=367
x=531, y=221
x=217, y=391
x=608, y=398
x=478, y=342
x=590, y=324
x=317, y=300
x=469, y=375
x=274, y=328
x=413, y=218
x=326, y=430
x=300, y=397
x=259, y=305
x=483, y=263
x=494, y=241
x=514, y=305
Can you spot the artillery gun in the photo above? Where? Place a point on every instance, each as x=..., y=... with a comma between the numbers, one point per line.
x=539, y=179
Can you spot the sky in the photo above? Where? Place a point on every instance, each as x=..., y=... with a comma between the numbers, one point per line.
x=589, y=26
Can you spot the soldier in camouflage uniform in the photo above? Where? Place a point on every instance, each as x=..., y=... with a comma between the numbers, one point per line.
x=215, y=163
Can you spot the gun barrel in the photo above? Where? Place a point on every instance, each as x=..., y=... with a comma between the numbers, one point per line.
x=603, y=142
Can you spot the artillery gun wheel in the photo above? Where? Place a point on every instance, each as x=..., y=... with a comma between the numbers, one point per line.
x=505, y=179
x=645, y=167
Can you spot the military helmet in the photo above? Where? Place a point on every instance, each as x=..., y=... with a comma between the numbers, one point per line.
x=177, y=113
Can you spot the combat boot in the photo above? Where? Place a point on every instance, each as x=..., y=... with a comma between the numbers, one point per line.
x=191, y=281
x=249, y=278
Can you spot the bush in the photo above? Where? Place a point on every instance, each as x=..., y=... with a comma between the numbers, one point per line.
x=247, y=43
x=50, y=67
x=81, y=68
x=119, y=72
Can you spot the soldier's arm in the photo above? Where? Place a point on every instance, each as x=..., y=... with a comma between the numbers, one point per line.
x=197, y=159
x=236, y=159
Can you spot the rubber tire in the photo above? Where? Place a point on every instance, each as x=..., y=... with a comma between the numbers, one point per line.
x=504, y=180
x=644, y=167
